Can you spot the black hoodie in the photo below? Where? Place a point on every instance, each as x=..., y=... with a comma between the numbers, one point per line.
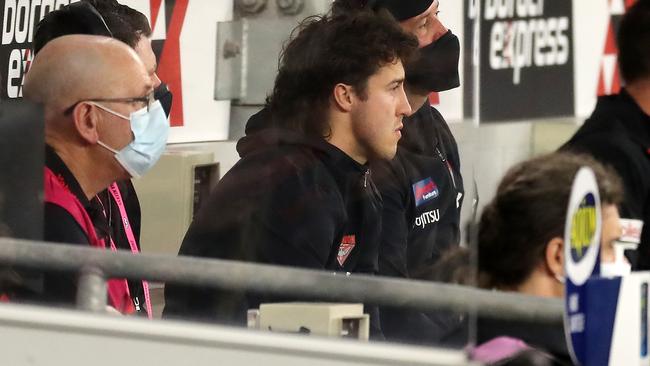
x=290, y=200
x=618, y=134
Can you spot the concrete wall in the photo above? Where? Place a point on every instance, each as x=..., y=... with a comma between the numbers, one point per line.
x=488, y=151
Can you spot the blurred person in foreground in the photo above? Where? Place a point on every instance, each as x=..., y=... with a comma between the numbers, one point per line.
x=521, y=247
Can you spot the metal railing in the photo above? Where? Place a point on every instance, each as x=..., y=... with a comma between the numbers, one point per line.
x=95, y=266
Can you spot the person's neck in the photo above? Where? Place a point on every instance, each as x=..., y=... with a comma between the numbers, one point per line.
x=344, y=139
x=416, y=98
x=640, y=92
x=540, y=284
x=86, y=171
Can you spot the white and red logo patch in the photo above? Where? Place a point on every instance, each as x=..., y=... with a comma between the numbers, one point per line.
x=347, y=244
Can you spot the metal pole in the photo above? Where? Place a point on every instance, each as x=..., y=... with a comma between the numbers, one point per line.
x=312, y=284
x=91, y=290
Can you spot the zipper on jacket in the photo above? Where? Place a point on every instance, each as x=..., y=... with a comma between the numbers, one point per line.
x=365, y=178
x=451, y=173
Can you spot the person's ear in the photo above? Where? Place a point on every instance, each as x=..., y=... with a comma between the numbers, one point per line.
x=86, y=119
x=343, y=97
x=554, y=257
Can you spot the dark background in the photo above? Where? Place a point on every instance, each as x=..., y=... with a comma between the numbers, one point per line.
x=21, y=169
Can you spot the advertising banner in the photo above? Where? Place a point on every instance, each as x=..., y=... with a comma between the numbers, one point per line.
x=19, y=19
x=525, y=58
x=582, y=235
x=184, y=41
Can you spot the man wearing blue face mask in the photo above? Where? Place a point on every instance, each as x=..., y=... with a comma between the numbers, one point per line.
x=111, y=19
x=102, y=125
x=422, y=188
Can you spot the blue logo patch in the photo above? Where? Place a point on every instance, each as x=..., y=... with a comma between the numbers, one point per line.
x=424, y=191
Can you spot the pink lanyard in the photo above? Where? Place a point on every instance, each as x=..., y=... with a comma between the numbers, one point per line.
x=121, y=282
x=117, y=196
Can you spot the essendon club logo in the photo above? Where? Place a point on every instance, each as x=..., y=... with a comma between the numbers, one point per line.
x=347, y=244
x=168, y=50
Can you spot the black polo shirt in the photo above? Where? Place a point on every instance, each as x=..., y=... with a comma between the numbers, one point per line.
x=60, y=227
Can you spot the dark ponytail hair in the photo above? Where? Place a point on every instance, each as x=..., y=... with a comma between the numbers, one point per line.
x=529, y=209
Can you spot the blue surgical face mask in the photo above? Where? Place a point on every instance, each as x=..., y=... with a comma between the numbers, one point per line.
x=150, y=131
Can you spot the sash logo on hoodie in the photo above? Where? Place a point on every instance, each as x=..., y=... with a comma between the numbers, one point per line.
x=424, y=191
x=347, y=244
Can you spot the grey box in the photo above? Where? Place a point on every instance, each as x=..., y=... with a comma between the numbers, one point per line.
x=169, y=195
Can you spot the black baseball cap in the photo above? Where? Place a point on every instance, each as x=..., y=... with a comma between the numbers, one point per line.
x=76, y=18
x=401, y=9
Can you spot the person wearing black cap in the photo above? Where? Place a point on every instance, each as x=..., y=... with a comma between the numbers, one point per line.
x=422, y=188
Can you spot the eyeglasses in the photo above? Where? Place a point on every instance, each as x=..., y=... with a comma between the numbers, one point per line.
x=146, y=101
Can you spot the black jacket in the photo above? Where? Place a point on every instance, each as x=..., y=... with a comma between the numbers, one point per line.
x=291, y=200
x=618, y=134
x=422, y=190
x=60, y=227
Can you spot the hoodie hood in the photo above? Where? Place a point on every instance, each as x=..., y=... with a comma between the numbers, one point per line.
x=262, y=135
x=258, y=121
x=614, y=114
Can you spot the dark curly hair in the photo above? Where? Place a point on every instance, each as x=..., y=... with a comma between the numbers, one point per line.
x=634, y=42
x=324, y=51
x=529, y=210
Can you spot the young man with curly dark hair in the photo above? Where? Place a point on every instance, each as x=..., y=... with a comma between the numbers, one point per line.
x=302, y=194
